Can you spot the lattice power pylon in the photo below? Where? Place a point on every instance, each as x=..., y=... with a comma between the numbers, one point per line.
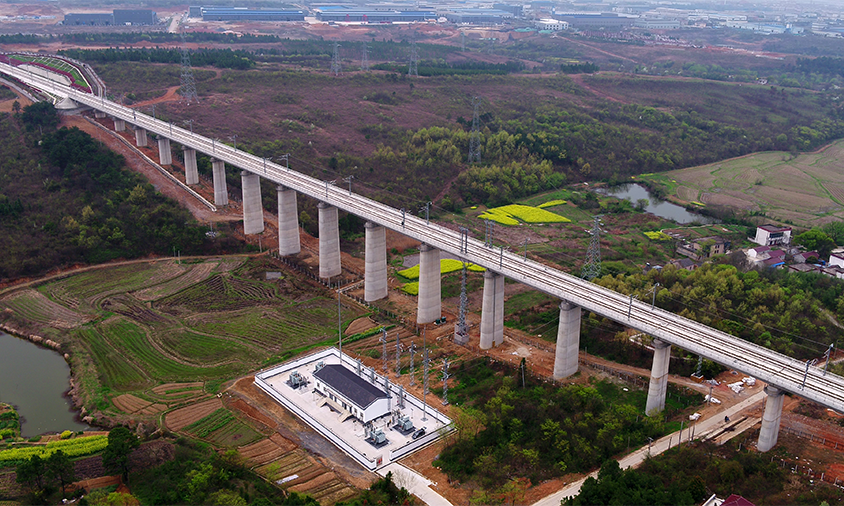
x=475, y=136
x=336, y=67
x=413, y=64
x=364, y=59
x=445, y=382
x=383, y=340
x=461, y=329
x=412, y=353
x=187, y=84
x=592, y=267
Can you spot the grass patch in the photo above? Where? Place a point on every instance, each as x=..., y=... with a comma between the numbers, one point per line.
x=447, y=265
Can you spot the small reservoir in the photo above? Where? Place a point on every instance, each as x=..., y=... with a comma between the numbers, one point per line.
x=34, y=380
x=661, y=208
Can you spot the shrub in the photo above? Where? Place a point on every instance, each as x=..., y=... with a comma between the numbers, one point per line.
x=66, y=434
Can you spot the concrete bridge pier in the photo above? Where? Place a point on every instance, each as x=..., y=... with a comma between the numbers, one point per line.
x=191, y=171
x=165, y=156
x=658, y=386
x=329, y=241
x=492, y=311
x=429, y=303
x=770, y=430
x=253, y=211
x=375, y=271
x=140, y=137
x=119, y=125
x=99, y=114
x=568, y=341
x=288, y=222
x=221, y=193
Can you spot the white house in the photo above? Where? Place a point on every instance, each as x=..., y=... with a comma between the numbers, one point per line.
x=346, y=389
x=770, y=235
x=836, y=260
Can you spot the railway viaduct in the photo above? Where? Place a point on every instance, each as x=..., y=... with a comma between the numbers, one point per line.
x=781, y=373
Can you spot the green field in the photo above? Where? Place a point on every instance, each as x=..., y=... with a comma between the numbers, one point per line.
x=147, y=324
x=58, y=65
x=224, y=429
x=805, y=190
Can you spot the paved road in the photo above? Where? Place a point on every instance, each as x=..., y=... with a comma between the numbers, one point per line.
x=659, y=446
x=415, y=483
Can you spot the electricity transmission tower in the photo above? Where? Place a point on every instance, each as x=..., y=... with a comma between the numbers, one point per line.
x=445, y=381
x=425, y=387
x=186, y=81
x=592, y=267
x=336, y=68
x=384, y=351
x=413, y=65
x=412, y=352
x=475, y=136
x=461, y=330
x=364, y=60
x=398, y=355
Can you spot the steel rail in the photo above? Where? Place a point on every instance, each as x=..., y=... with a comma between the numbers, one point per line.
x=767, y=365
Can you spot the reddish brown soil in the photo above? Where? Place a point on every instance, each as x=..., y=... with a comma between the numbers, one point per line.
x=180, y=418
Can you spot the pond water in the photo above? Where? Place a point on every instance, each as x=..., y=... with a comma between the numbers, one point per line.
x=661, y=208
x=34, y=379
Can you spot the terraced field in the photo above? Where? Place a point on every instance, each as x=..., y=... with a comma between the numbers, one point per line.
x=146, y=337
x=807, y=189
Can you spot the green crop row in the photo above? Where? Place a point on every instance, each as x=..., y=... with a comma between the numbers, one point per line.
x=446, y=265
x=115, y=369
x=71, y=447
x=211, y=423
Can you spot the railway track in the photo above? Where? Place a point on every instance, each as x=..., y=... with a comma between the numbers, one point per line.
x=774, y=368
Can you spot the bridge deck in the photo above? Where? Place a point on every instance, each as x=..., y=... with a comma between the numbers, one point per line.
x=774, y=368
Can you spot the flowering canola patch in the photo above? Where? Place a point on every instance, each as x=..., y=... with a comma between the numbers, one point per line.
x=446, y=265
x=510, y=215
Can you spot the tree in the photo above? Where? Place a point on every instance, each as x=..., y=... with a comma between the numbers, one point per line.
x=121, y=442
x=816, y=240
x=642, y=204
x=31, y=472
x=835, y=231
x=60, y=467
x=40, y=114
x=16, y=107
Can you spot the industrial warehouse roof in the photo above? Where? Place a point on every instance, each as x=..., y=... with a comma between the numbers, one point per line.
x=350, y=385
x=240, y=11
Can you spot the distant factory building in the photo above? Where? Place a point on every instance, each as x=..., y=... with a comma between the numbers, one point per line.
x=478, y=16
x=244, y=14
x=117, y=17
x=594, y=19
x=657, y=24
x=88, y=19
x=339, y=14
x=134, y=17
x=348, y=391
x=553, y=25
x=516, y=10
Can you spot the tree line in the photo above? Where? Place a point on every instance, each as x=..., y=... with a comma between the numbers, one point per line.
x=220, y=58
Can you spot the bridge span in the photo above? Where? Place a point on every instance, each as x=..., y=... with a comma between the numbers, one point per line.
x=782, y=374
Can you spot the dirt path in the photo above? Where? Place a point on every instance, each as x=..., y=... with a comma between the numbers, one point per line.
x=172, y=95
x=578, y=78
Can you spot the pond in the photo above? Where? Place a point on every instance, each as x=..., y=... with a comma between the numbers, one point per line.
x=661, y=208
x=34, y=380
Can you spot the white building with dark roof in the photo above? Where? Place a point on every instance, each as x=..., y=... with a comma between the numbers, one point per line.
x=770, y=235
x=360, y=398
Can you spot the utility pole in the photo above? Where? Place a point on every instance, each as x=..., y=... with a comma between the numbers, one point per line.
x=488, y=230
x=475, y=136
x=425, y=387
x=383, y=340
x=412, y=353
x=339, y=328
x=398, y=355
x=427, y=209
